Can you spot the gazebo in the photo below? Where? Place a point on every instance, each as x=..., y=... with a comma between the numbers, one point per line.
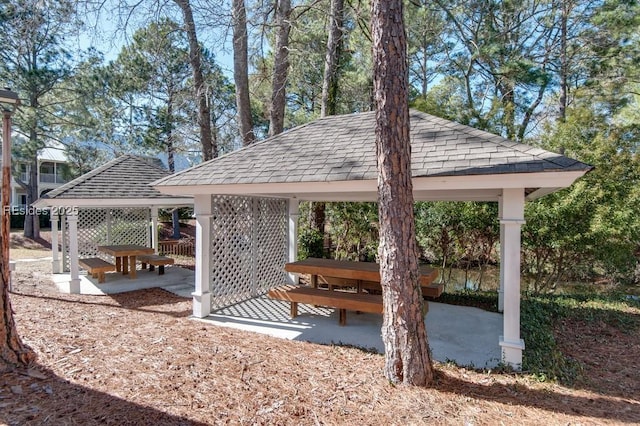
x=246, y=202
x=112, y=204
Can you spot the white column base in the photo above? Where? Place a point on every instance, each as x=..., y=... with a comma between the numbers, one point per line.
x=512, y=352
x=201, y=304
x=74, y=286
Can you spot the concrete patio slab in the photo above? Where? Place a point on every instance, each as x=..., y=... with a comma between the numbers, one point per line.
x=180, y=280
x=468, y=336
x=465, y=335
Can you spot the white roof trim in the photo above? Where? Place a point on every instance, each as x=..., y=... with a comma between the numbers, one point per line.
x=453, y=188
x=112, y=202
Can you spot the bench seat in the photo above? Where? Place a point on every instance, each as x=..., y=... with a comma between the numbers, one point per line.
x=335, y=299
x=97, y=267
x=155, y=260
x=428, y=290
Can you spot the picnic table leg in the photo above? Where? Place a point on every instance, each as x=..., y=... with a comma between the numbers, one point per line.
x=125, y=265
x=132, y=263
x=343, y=317
x=314, y=284
x=118, y=264
x=294, y=309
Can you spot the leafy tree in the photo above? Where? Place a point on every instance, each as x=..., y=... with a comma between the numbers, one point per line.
x=35, y=62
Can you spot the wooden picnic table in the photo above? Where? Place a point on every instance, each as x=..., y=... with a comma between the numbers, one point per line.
x=362, y=275
x=125, y=255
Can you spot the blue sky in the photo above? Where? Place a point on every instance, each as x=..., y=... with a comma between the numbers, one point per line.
x=107, y=40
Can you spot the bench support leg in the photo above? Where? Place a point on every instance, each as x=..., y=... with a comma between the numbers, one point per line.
x=100, y=277
x=132, y=266
x=343, y=317
x=294, y=309
x=152, y=267
x=161, y=270
x=118, y=264
x=143, y=265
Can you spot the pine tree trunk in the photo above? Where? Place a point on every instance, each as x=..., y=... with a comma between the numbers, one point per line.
x=332, y=59
x=280, y=67
x=241, y=71
x=31, y=220
x=13, y=353
x=209, y=150
x=407, y=358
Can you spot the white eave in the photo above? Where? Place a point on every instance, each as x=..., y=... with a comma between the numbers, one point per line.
x=435, y=188
x=110, y=202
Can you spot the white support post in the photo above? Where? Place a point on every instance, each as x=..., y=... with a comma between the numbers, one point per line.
x=501, y=288
x=65, y=254
x=55, y=263
x=154, y=228
x=292, y=237
x=202, y=293
x=512, y=221
x=74, y=284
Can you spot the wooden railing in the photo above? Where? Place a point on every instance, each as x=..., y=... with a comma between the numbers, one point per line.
x=176, y=248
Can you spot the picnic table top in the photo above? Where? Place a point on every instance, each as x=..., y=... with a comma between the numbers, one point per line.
x=366, y=271
x=126, y=250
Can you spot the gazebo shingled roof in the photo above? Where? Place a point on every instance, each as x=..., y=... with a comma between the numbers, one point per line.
x=122, y=181
x=342, y=148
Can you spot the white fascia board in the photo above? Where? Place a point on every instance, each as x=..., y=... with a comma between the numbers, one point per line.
x=507, y=180
x=340, y=190
x=112, y=202
x=285, y=189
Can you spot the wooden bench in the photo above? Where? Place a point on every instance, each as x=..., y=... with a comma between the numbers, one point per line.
x=428, y=290
x=155, y=260
x=359, y=275
x=97, y=267
x=335, y=299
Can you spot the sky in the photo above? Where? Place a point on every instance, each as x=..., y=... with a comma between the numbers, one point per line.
x=108, y=40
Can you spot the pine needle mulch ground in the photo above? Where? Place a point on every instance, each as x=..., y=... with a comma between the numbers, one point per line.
x=137, y=358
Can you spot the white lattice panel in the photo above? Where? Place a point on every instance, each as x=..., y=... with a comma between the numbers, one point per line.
x=248, y=247
x=271, y=236
x=98, y=227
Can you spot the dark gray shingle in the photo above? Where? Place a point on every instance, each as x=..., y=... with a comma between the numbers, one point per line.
x=343, y=147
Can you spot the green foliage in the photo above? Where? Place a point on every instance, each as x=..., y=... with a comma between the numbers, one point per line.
x=455, y=234
x=310, y=244
x=353, y=230
x=593, y=228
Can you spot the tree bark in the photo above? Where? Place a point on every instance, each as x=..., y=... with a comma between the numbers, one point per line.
x=407, y=358
x=280, y=67
x=209, y=149
x=32, y=195
x=329, y=104
x=332, y=59
x=564, y=86
x=13, y=353
x=241, y=72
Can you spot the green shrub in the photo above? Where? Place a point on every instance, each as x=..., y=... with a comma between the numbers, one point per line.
x=310, y=244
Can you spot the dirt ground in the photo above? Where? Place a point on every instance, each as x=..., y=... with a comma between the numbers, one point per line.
x=137, y=358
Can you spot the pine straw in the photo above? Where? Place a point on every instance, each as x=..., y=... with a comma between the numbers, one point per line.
x=137, y=358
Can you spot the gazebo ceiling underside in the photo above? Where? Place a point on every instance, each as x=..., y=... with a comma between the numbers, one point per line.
x=333, y=159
